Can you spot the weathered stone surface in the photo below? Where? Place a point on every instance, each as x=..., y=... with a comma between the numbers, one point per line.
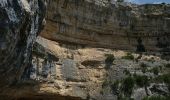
x=139, y=94
x=99, y=23
x=81, y=72
x=20, y=23
x=159, y=89
x=73, y=72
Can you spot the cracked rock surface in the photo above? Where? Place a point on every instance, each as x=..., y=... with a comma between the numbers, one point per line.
x=20, y=23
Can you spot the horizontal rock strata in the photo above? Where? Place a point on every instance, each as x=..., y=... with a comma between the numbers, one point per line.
x=109, y=25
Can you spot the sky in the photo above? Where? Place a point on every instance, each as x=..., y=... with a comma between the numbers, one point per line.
x=149, y=1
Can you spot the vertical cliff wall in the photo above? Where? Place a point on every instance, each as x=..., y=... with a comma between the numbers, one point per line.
x=20, y=22
x=99, y=23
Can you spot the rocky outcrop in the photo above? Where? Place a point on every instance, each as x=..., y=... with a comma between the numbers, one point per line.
x=100, y=23
x=73, y=71
x=63, y=73
x=20, y=23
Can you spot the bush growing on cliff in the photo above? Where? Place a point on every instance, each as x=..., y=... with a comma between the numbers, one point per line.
x=141, y=81
x=143, y=67
x=167, y=65
x=109, y=60
x=163, y=78
x=127, y=72
x=105, y=83
x=167, y=80
x=127, y=85
x=156, y=98
x=155, y=70
x=128, y=56
x=115, y=87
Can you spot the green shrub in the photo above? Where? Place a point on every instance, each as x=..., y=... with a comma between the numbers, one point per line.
x=155, y=70
x=166, y=79
x=143, y=67
x=115, y=87
x=109, y=58
x=105, y=83
x=161, y=68
x=124, y=98
x=167, y=65
x=127, y=85
x=128, y=56
x=156, y=98
x=141, y=81
x=163, y=78
x=126, y=72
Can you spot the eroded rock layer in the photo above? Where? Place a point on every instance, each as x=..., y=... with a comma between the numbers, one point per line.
x=104, y=24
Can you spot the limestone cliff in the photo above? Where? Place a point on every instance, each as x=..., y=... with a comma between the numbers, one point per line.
x=100, y=23
x=20, y=23
x=96, y=73
x=71, y=69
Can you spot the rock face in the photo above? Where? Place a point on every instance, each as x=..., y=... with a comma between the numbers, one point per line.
x=20, y=23
x=51, y=70
x=73, y=71
x=99, y=23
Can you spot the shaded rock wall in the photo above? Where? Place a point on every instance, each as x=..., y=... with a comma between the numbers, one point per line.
x=20, y=23
x=104, y=24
